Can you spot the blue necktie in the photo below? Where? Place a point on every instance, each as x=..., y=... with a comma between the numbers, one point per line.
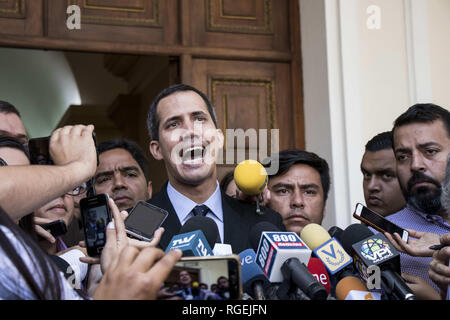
x=200, y=210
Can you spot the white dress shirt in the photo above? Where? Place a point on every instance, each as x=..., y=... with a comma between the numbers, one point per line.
x=183, y=206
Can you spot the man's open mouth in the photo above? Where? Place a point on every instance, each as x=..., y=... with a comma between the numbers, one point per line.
x=193, y=154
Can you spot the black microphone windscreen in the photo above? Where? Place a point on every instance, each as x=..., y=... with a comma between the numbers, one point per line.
x=353, y=234
x=336, y=232
x=207, y=225
x=257, y=230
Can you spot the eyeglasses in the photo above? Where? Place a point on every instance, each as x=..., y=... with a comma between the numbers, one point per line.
x=2, y=163
x=78, y=190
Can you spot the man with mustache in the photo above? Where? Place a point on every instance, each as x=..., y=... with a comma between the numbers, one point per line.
x=299, y=190
x=421, y=142
x=184, y=134
x=381, y=187
x=123, y=173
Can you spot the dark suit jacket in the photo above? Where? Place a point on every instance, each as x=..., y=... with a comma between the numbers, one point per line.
x=238, y=219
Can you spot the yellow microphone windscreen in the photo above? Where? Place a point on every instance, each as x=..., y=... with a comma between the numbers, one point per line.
x=251, y=177
x=314, y=235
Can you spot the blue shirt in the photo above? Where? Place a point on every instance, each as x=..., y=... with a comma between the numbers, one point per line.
x=411, y=218
x=183, y=206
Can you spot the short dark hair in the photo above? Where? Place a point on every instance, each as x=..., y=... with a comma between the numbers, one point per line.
x=381, y=141
x=423, y=113
x=14, y=143
x=6, y=107
x=132, y=147
x=226, y=180
x=290, y=157
x=152, y=116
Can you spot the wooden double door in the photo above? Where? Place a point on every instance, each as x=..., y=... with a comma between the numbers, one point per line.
x=244, y=54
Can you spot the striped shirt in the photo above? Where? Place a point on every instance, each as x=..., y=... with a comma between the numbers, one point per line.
x=411, y=218
x=13, y=285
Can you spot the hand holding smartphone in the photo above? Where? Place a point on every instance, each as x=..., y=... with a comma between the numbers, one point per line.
x=378, y=222
x=143, y=220
x=96, y=215
x=56, y=228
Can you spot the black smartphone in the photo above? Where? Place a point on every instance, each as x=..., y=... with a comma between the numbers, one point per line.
x=144, y=219
x=95, y=215
x=39, y=149
x=378, y=222
x=56, y=228
x=205, y=278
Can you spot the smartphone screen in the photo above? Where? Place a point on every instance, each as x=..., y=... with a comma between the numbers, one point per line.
x=378, y=222
x=96, y=216
x=39, y=151
x=204, y=278
x=144, y=219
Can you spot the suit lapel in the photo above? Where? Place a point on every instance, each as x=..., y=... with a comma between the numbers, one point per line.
x=172, y=224
x=233, y=227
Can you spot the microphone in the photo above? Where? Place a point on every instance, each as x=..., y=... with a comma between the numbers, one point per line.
x=336, y=232
x=251, y=178
x=282, y=257
x=352, y=234
x=376, y=250
x=195, y=237
x=352, y=288
x=207, y=225
x=318, y=270
x=193, y=244
x=222, y=249
x=327, y=249
x=254, y=281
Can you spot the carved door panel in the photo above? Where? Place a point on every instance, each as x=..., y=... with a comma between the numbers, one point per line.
x=133, y=21
x=248, y=96
x=250, y=24
x=21, y=17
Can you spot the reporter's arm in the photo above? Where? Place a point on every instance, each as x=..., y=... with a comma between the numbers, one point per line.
x=25, y=188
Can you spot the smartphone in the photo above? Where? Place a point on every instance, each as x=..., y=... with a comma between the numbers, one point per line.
x=39, y=149
x=144, y=219
x=56, y=228
x=378, y=222
x=205, y=278
x=95, y=215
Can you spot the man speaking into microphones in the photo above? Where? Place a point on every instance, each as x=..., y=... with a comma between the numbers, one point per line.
x=184, y=134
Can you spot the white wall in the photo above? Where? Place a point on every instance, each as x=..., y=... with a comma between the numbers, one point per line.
x=40, y=84
x=359, y=76
x=439, y=26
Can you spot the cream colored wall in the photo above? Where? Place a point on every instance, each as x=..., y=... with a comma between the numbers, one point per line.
x=439, y=41
x=357, y=80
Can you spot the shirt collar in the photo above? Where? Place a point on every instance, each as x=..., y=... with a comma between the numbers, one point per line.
x=183, y=205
